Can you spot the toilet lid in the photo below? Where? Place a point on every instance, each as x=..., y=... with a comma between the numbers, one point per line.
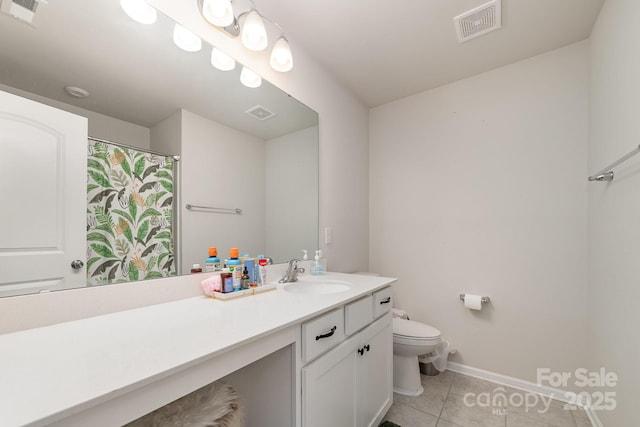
x=409, y=328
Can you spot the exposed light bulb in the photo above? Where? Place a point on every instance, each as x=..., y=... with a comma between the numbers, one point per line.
x=186, y=40
x=139, y=11
x=249, y=78
x=218, y=12
x=281, y=58
x=254, y=35
x=221, y=60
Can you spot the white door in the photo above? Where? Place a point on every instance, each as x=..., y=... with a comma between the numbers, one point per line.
x=43, y=187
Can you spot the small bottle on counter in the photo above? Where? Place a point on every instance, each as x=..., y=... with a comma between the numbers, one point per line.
x=263, y=271
x=237, y=278
x=212, y=263
x=195, y=268
x=227, y=280
x=233, y=260
x=245, y=278
x=317, y=268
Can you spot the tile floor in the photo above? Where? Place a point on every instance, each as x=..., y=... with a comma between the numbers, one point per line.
x=456, y=400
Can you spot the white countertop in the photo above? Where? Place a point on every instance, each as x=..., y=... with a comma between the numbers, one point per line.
x=47, y=371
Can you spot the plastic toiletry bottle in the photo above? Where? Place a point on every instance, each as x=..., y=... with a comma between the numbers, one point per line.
x=263, y=271
x=250, y=265
x=245, y=278
x=195, y=268
x=233, y=260
x=227, y=280
x=316, y=266
x=236, y=272
x=212, y=263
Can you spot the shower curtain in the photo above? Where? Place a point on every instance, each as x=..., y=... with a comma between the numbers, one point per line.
x=130, y=200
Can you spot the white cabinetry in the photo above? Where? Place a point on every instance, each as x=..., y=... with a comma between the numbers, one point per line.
x=329, y=388
x=374, y=378
x=351, y=385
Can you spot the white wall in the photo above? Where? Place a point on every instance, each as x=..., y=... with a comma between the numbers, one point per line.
x=166, y=135
x=205, y=164
x=100, y=126
x=479, y=187
x=614, y=208
x=291, y=180
x=343, y=125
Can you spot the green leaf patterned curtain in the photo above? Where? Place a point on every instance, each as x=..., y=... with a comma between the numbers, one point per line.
x=129, y=215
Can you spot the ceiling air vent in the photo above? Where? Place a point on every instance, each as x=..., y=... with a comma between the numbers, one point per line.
x=260, y=113
x=24, y=10
x=479, y=21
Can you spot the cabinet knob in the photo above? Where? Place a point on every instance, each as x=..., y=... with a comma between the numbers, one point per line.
x=367, y=347
x=361, y=351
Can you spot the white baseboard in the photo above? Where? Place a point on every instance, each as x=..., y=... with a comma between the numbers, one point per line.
x=519, y=384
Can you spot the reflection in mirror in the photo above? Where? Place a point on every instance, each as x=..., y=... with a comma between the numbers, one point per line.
x=254, y=149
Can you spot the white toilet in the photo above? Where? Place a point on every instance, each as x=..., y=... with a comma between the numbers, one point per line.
x=410, y=340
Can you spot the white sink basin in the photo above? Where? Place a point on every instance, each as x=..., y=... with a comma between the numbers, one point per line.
x=318, y=287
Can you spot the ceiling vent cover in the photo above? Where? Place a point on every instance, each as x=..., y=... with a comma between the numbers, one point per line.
x=260, y=113
x=479, y=21
x=24, y=10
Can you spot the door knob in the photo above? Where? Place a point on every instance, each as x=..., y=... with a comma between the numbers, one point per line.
x=76, y=264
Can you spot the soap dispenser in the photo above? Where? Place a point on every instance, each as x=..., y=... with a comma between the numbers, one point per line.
x=316, y=266
x=305, y=257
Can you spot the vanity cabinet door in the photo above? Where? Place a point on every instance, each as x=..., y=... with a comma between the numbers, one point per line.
x=329, y=393
x=352, y=384
x=375, y=373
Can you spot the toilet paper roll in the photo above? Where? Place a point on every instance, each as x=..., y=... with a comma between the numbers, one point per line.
x=473, y=302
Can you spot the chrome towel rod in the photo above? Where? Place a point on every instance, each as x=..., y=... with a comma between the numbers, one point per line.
x=235, y=211
x=606, y=174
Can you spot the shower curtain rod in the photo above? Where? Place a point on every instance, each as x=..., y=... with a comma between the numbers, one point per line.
x=606, y=174
x=119, y=144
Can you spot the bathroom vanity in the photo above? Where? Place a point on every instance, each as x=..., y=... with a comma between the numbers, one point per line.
x=113, y=368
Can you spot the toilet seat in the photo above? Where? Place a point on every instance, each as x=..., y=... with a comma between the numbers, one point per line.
x=399, y=339
x=404, y=328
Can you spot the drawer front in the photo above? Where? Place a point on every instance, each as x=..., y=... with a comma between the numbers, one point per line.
x=322, y=333
x=358, y=314
x=382, y=302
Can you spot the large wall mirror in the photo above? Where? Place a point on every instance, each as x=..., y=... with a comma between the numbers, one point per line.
x=241, y=149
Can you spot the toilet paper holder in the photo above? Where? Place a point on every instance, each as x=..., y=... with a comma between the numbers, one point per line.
x=483, y=300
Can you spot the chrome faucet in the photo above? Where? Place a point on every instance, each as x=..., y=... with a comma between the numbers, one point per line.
x=292, y=272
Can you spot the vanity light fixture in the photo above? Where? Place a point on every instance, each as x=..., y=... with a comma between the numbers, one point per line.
x=254, y=34
x=221, y=60
x=186, y=40
x=250, y=27
x=218, y=12
x=281, y=58
x=140, y=11
x=250, y=78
